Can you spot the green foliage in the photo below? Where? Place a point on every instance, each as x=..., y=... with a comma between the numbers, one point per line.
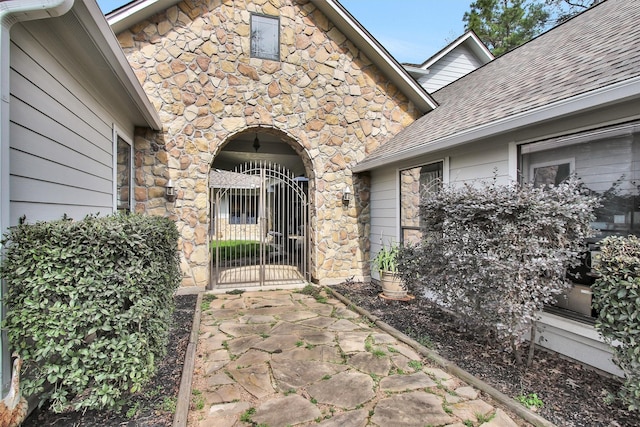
x=386, y=258
x=225, y=250
x=198, y=400
x=169, y=404
x=616, y=297
x=531, y=401
x=565, y=9
x=416, y=365
x=495, y=254
x=89, y=305
x=504, y=25
x=206, y=301
x=132, y=411
x=246, y=416
x=315, y=292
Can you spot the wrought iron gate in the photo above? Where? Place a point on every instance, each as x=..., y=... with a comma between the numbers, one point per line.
x=258, y=229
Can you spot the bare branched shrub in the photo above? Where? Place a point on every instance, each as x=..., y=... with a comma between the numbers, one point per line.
x=495, y=254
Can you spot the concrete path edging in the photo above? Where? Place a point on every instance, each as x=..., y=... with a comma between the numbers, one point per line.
x=184, y=393
x=448, y=366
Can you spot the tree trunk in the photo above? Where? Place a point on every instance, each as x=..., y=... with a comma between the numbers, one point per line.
x=516, y=352
x=532, y=344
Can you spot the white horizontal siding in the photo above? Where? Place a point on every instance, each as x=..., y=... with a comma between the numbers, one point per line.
x=61, y=138
x=479, y=162
x=455, y=64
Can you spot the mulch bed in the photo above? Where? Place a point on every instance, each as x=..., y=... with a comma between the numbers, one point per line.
x=573, y=395
x=154, y=405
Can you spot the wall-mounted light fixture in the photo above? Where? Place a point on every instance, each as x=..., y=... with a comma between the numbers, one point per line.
x=346, y=195
x=170, y=191
x=256, y=143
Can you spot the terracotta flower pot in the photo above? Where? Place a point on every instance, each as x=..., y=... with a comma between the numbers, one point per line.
x=392, y=285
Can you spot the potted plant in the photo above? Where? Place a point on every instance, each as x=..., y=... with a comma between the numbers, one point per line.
x=386, y=263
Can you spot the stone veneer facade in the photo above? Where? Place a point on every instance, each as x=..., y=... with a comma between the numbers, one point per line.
x=324, y=97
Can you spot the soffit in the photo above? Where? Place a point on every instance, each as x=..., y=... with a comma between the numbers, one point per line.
x=83, y=42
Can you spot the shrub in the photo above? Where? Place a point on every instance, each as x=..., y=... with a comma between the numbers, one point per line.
x=496, y=254
x=89, y=305
x=616, y=297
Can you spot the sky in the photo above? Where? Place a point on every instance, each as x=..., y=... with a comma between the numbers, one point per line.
x=411, y=30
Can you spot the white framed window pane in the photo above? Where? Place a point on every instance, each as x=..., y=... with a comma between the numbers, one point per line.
x=609, y=168
x=123, y=176
x=265, y=37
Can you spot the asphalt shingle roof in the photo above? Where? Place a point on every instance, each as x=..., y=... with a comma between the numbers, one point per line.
x=595, y=49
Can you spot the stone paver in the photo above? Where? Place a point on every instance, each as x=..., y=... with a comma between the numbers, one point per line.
x=285, y=359
x=398, y=383
x=470, y=410
x=357, y=418
x=345, y=390
x=288, y=410
x=370, y=364
x=292, y=374
x=417, y=409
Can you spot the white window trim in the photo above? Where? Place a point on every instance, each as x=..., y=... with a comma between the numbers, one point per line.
x=118, y=133
x=445, y=181
x=279, y=47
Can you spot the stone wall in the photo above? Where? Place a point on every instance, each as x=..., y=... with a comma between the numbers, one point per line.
x=324, y=97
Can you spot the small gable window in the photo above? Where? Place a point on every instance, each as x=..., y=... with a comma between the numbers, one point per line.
x=265, y=37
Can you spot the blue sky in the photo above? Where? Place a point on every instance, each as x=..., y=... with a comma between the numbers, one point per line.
x=411, y=30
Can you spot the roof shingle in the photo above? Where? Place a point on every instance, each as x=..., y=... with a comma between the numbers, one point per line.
x=595, y=49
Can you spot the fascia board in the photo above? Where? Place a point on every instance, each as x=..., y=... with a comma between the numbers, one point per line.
x=615, y=93
x=95, y=24
x=469, y=38
x=479, y=48
x=377, y=54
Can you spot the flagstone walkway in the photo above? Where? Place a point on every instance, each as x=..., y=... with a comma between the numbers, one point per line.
x=284, y=358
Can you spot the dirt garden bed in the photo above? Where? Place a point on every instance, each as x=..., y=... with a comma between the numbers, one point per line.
x=571, y=394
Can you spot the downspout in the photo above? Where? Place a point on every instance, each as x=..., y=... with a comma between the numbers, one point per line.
x=12, y=12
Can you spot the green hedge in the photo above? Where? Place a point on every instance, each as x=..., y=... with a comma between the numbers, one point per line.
x=89, y=305
x=616, y=296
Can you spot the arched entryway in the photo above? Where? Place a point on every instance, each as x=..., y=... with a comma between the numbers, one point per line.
x=259, y=193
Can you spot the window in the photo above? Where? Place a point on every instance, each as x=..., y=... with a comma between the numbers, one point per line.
x=265, y=37
x=608, y=166
x=415, y=183
x=243, y=208
x=608, y=163
x=123, y=176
